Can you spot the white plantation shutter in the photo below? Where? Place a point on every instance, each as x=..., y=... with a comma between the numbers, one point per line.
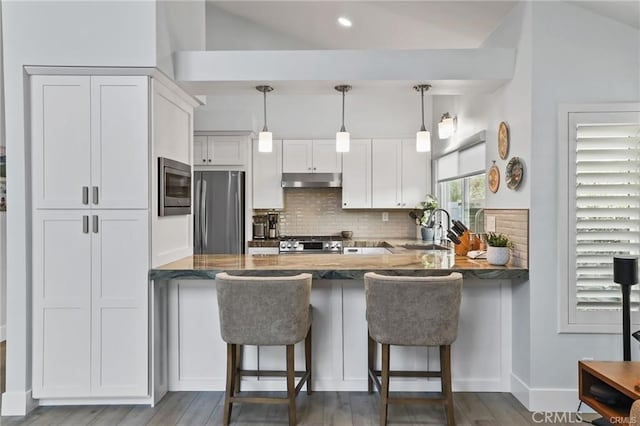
x=606, y=221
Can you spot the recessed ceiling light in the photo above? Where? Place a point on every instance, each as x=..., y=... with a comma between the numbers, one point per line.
x=345, y=22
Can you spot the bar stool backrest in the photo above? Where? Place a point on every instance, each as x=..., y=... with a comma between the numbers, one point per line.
x=264, y=310
x=413, y=311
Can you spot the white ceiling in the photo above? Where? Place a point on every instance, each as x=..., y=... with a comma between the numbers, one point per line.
x=376, y=24
x=627, y=12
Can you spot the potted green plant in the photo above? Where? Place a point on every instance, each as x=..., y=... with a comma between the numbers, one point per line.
x=498, y=249
x=422, y=213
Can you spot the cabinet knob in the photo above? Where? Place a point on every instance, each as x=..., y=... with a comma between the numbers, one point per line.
x=398, y=204
x=314, y=168
x=209, y=159
x=345, y=204
x=309, y=168
x=204, y=160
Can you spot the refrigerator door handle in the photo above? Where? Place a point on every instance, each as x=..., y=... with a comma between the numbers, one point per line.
x=198, y=234
x=204, y=220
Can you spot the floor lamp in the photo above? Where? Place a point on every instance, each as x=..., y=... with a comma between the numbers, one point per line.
x=625, y=273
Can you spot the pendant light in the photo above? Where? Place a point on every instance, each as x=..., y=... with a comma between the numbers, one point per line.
x=446, y=126
x=342, y=137
x=265, y=137
x=423, y=137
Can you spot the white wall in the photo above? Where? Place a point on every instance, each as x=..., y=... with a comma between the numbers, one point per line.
x=373, y=113
x=100, y=33
x=226, y=31
x=3, y=216
x=578, y=57
x=180, y=25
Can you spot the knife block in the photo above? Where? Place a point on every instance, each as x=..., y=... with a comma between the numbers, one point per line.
x=463, y=248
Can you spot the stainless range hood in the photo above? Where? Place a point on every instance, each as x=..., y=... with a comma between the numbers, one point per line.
x=311, y=180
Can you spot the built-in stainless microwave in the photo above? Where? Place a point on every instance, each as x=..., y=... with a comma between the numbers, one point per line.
x=174, y=187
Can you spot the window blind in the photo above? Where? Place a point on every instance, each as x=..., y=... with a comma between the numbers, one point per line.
x=607, y=210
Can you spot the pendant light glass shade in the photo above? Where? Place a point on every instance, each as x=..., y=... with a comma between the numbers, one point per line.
x=265, y=137
x=423, y=141
x=446, y=126
x=343, y=138
x=423, y=136
x=342, y=141
x=265, y=142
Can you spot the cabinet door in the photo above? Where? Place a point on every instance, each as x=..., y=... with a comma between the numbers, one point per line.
x=227, y=150
x=356, y=176
x=297, y=156
x=416, y=174
x=61, y=135
x=120, y=142
x=120, y=253
x=267, y=177
x=386, y=171
x=61, y=304
x=200, y=156
x=325, y=158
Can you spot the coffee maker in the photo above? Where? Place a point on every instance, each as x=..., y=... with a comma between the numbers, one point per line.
x=272, y=219
x=260, y=227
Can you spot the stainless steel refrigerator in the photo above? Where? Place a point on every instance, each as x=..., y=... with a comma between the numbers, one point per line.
x=219, y=213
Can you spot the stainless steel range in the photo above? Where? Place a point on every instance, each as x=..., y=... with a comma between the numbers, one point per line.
x=310, y=244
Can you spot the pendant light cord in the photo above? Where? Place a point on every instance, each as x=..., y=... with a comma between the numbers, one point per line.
x=423, y=128
x=264, y=129
x=342, y=129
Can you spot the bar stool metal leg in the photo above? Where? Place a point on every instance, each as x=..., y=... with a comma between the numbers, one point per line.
x=308, y=360
x=445, y=367
x=291, y=385
x=384, y=391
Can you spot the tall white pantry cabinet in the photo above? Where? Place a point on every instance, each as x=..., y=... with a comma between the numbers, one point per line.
x=91, y=250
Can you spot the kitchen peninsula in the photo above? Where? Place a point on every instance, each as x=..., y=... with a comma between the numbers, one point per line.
x=196, y=353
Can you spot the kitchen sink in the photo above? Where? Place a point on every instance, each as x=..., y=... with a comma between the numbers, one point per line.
x=425, y=247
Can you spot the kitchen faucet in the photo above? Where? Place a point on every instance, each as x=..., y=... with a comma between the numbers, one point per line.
x=431, y=222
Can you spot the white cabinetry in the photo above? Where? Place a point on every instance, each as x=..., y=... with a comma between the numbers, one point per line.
x=91, y=243
x=365, y=250
x=219, y=150
x=87, y=150
x=356, y=175
x=267, y=177
x=400, y=174
x=310, y=156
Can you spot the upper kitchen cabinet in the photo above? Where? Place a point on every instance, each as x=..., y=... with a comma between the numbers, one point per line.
x=310, y=156
x=267, y=177
x=400, y=174
x=356, y=175
x=219, y=150
x=90, y=140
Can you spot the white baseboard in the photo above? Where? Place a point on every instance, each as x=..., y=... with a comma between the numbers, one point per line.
x=3, y=333
x=546, y=399
x=17, y=403
x=96, y=401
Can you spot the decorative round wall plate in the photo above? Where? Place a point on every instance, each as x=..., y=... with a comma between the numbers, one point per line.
x=514, y=173
x=494, y=178
x=503, y=140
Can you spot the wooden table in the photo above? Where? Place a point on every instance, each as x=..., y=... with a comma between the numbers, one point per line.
x=620, y=375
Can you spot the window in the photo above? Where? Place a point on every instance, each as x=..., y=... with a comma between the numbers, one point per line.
x=462, y=182
x=463, y=197
x=603, y=215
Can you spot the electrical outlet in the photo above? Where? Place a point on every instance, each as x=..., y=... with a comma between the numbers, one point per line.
x=491, y=224
x=385, y=216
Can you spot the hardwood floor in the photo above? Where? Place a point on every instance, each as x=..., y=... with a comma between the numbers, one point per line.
x=322, y=408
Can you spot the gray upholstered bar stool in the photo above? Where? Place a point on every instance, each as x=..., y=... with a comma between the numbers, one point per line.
x=412, y=311
x=265, y=311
